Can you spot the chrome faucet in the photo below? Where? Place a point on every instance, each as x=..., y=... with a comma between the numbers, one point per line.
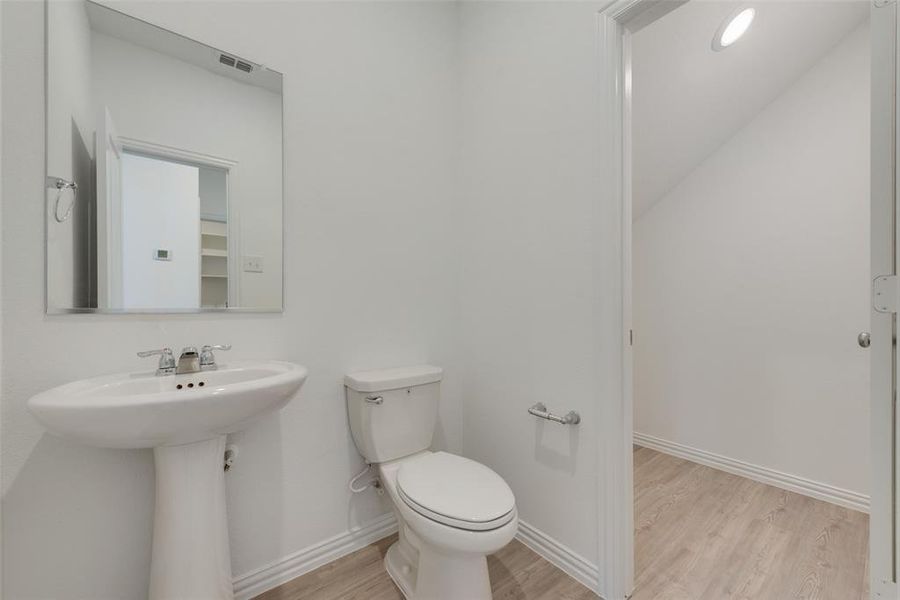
x=190, y=360
x=166, y=360
x=208, y=359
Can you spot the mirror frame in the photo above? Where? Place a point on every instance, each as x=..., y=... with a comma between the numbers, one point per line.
x=56, y=310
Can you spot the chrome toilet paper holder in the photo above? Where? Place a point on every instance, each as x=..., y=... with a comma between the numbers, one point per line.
x=540, y=410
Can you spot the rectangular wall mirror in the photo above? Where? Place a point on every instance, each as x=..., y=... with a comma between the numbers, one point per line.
x=164, y=170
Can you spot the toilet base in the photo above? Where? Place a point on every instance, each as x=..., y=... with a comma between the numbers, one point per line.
x=443, y=576
x=401, y=571
x=438, y=576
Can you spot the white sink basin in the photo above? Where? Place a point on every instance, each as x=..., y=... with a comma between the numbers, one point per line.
x=185, y=419
x=143, y=410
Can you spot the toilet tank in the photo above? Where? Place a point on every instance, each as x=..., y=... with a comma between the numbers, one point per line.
x=393, y=411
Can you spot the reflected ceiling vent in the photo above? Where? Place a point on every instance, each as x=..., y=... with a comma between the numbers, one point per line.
x=230, y=61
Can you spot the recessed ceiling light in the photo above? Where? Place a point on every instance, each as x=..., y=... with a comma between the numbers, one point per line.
x=732, y=28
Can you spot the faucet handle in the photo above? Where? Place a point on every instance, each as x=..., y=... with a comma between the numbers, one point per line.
x=166, y=360
x=207, y=358
x=217, y=347
x=161, y=351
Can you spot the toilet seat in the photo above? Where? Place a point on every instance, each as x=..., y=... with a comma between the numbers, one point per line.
x=456, y=491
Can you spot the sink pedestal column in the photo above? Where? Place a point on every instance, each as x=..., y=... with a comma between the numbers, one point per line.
x=191, y=558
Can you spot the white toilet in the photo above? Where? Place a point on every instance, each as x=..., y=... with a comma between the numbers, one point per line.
x=452, y=511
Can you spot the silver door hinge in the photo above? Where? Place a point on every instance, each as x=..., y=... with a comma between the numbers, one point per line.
x=885, y=293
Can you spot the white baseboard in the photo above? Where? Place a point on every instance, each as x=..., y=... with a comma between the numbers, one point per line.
x=786, y=481
x=572, y=564
x=256, y=582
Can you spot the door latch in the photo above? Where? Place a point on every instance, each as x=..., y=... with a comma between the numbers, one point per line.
x=885, y=293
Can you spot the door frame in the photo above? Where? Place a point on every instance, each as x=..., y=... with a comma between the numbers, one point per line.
x=228, y=165
x=883, y=532
x=108, y=212
x=616, y=23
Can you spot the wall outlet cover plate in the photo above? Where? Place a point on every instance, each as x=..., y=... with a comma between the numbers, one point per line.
x=252, y=264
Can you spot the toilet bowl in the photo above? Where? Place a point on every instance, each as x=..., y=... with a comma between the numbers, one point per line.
x=445, y=538
x=451, y=511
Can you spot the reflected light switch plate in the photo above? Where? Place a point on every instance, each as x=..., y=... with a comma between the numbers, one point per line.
x=253, y=264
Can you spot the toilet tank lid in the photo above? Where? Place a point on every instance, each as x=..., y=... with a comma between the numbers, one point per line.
x=381, y=380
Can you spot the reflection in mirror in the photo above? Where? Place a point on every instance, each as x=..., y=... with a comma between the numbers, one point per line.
x=164, y=170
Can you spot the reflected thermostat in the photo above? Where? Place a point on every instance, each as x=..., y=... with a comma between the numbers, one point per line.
x=162, y=254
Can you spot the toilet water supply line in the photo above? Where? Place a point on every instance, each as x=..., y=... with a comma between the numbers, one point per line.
x=375, y=483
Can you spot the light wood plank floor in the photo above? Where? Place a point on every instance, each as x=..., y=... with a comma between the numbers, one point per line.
x=701, y=534
x=516, y=572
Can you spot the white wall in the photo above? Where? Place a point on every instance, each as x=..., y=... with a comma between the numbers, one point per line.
x=160, y=211
x=1, y=304
x=539, y=285
x=448, y=194
x=370, y=116
x=709, y=96
x=751, y=283
x=213, y=194
x=156, y=98
x=71, y=150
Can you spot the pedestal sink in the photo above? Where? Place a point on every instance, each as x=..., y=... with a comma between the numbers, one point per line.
x=185, y=419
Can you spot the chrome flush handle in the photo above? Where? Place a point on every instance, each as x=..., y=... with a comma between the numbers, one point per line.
x=374, y=399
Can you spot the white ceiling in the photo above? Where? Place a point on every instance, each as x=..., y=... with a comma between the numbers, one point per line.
x=119, y=25
x=688, y=100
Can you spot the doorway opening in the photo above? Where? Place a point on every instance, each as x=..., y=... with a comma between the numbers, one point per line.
x=750, y=270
